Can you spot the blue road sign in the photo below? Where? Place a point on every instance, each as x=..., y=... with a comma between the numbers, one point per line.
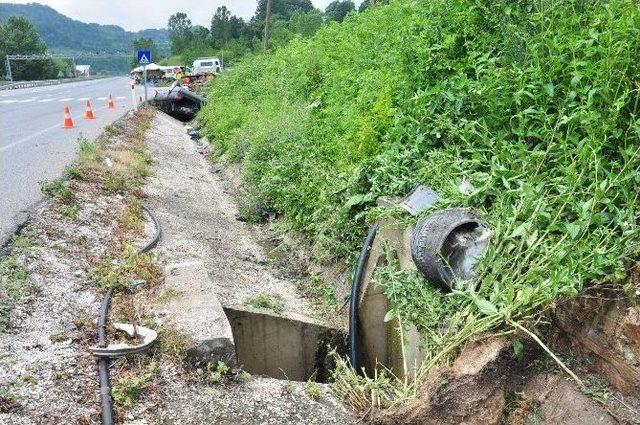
x=144, y=57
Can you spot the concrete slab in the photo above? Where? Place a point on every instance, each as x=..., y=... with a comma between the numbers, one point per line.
x=194, y=308
x=380, y=341
x=284, y=346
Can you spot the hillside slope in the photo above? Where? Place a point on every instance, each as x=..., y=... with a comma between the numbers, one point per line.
x=62, y=34
x=533, y=105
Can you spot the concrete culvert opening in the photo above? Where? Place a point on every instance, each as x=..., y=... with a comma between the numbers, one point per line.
x=284, y=346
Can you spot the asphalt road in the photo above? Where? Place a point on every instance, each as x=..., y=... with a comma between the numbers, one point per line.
x=34, y=147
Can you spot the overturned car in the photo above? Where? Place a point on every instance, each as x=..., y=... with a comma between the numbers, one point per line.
x=178, y=101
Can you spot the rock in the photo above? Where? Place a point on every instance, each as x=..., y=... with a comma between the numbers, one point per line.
x=194, y=308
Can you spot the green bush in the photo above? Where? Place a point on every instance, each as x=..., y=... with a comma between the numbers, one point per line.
x=535, y=104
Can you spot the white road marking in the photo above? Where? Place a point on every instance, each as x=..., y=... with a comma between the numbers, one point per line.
x=83, y=99
x=39, y=133
x=120, y=97
x=45, y=100
x=101, y=98
x=8, y=101
x=65, y=99
x=31, y=99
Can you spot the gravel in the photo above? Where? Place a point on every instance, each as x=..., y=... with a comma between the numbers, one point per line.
x=45, y=367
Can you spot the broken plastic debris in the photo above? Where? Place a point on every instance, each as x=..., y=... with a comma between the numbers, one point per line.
x=135, y=283
x=465, y=186
x=419, y=200
x=118, y=350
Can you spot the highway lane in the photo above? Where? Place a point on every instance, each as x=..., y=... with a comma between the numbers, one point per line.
x=34, y=147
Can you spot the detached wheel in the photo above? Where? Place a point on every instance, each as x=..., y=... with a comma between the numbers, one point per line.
x=446, y=245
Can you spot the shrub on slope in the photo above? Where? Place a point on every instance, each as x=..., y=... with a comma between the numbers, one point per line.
x=533, y=103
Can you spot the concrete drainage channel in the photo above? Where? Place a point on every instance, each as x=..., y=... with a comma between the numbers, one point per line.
x=282, y=346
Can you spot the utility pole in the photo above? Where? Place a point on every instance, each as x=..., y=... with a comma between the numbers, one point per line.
x=267, y=20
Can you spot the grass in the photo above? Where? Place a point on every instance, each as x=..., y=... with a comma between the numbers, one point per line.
x=70, y=211
x=130, y=267
x=73, y=172
x=58, y=189
x=131, y=386
x=266, y=301
x=132, y=216
x=172, y=343
x=534, y=104
x=14, y=273
x=313, y=390
x=318, y=288
x=9, y=402
x=116, y=167
x=218, y=371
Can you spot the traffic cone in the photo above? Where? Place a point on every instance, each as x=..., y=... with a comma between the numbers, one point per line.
x=88, y=114
x=68, y=121
x=112, y=104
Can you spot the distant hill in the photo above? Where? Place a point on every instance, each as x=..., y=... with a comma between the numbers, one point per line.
x=65, y=35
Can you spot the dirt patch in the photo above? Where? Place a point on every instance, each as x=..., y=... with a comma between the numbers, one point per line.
x=555, y=400
x=601, y=329
x=472, y=391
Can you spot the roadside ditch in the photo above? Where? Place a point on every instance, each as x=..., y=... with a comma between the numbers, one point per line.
x=245, y=328
x=84, y=240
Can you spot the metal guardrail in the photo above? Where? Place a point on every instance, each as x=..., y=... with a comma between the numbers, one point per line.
x=38, y=83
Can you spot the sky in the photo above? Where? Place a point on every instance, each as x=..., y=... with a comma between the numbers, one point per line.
x=134, y=15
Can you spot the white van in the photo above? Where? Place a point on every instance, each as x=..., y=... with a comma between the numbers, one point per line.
x=206, y=65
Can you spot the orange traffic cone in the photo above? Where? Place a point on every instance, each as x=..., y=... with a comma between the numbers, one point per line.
x=112, y=104
x=88, y=114
x=68, y=121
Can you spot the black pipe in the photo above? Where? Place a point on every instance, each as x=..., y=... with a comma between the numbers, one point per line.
x=355, y=296
x=158, y=234
x=103, y=363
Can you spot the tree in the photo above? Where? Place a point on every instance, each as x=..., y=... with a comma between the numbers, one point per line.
x=337, y=10
x=19, y=37
x=282, y=9
x=367, y=3
x=180, y=32
x=200, y=39
x=305, y=24
x=143, y=43
x=225, y=27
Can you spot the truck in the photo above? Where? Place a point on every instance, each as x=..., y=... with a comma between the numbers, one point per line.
x=206, y=66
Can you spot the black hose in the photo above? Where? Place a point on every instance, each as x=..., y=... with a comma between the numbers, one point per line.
x=158, y=234
x=103, y=363
x=355, y=296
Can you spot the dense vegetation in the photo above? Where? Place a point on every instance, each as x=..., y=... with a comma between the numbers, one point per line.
x=232, y=38
x=533, y=103
x=104, y=47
